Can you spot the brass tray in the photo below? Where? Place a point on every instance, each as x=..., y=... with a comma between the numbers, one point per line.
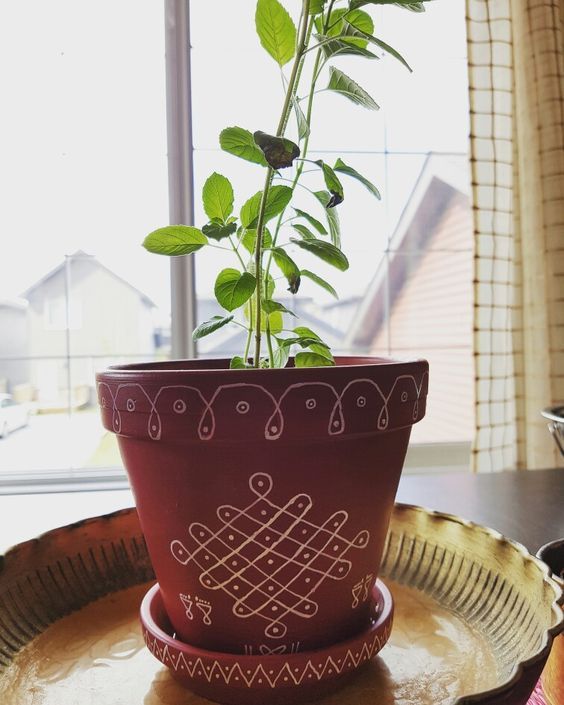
x=475, y=615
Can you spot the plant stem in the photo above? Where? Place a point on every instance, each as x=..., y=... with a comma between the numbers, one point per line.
x=269, y=344
x=249, y=332
x=302, y=41
x=258, y=264
x=236, y=251
x=300, y=168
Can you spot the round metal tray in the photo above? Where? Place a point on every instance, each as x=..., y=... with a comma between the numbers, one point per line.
x=475, y=617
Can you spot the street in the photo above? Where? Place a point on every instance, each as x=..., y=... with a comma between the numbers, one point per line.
x=53, y=442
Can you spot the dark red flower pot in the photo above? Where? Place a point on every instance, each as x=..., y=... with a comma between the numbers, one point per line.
x=264, y=495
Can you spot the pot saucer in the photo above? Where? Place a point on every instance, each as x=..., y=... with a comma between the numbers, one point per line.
x=236, y=679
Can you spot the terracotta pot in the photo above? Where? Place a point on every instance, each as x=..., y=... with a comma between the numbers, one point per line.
x=264, y=495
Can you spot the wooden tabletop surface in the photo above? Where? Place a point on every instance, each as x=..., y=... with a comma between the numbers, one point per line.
x=527, y=506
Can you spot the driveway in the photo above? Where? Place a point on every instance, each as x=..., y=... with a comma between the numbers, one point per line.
x=52, y=442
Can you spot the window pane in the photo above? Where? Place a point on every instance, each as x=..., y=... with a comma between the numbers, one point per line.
x=409, y=253
x=84, y=178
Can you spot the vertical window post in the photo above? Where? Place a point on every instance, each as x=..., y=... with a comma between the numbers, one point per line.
x=180, y=170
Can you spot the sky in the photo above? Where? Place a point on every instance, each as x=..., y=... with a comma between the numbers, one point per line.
x=83, y=139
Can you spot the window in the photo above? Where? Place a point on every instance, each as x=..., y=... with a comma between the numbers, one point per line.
x=84, y=148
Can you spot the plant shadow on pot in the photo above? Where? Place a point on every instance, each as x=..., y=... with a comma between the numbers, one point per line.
x=265, y=495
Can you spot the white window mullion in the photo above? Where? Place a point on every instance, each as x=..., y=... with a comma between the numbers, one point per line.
x=180, y=170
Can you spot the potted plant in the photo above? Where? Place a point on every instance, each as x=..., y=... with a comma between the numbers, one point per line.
x=265, y=483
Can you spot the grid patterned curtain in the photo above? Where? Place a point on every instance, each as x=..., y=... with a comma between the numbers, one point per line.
x=516, y=68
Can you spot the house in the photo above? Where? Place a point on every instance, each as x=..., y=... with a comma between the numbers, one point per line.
x=14, y=348
x=80, y=317
x=230, y=340
x=418, y=303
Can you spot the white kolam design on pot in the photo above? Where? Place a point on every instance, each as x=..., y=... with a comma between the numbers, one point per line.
x=354, y=392
x=268, y=540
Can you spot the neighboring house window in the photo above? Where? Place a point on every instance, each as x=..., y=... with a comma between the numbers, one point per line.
x=94, y=171
x=59, y=316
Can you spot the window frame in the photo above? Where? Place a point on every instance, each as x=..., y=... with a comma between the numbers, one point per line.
x=422, y=458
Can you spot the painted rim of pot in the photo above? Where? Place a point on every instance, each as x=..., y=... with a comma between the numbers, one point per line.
x=377, y=634
x=394, y=384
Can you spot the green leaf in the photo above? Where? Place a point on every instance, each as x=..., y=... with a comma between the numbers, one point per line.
x=288, y=268
x=284, y=262
x=217, y=197
x=339, y=82
x=412, y=6
x=277, y=200
x=275, y=321
x=386, y=47
x=232, y=288
x=318, y=280
x=250, y=237
x=303, y=127
x=218, y=231
x=390, y=50
x=250, y=211
x=332, y=183
x=342, y=168
x=324, y=197
x=281, y=357
x=316, y=6
x=344, y=22
x=237, y=363
x=311, y=359
x=305, y=332
x=215, y=323
x=175, y=240
x=323, y=350
x=312, y=221
x=279, y=152
x=325, y=251
x=273, y=306
x=304, y=232
x=276, y=31
x=302, y=341
x=241, y=143
x=343, y=45
x=405, y=4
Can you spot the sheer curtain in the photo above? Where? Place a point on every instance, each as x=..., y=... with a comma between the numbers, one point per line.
x=516, y=67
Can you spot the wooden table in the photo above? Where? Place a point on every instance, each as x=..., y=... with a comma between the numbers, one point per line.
x=527, y=506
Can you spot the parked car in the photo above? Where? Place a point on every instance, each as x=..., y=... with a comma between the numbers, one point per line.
x=12, y=415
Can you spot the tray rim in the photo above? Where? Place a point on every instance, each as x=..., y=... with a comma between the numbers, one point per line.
x=557, y=605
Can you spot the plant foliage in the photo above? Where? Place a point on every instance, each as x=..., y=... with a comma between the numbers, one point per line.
x=267, y=260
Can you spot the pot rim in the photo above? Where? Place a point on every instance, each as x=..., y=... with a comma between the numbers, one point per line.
x=350, y=362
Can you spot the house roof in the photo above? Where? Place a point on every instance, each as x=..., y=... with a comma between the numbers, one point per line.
x=19, y=304
x=441, y=182
x=80, y=255
x=230, y=340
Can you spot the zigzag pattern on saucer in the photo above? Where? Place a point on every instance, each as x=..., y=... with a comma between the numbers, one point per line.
x=264, y=674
